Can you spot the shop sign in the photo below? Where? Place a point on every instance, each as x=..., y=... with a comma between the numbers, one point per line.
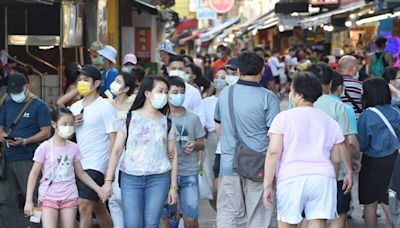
x=324, y=2
x=143, y=42
x=206, y=13
x=221, y=6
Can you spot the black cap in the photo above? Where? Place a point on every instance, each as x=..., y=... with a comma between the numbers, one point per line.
x=91, y=72
x=16, y=83
x=232, y=64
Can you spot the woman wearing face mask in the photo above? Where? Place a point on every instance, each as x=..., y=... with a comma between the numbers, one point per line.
x=212, y=141
x=392, y=77
x=122, y=88
x=197, y=80
x=128, y=63
x=71, y=94
x=207, y=67
x=59, y=161
x=148, y=177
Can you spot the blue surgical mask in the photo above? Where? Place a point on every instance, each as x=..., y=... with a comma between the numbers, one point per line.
x=159, y=100
x=177, y=99
x=220, y=84
x=219, y=55
x=18, y=97
x=127, y=69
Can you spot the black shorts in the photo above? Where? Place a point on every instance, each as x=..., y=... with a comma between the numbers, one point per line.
x=277, y=79
x=85, y=192
x=343, y=201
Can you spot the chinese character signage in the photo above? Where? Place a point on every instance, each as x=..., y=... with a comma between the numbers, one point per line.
x=143, y=42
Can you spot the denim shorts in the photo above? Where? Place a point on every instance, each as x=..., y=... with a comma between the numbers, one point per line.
x=188, y=198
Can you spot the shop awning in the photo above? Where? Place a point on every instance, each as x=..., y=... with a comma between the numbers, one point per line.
x=186, y=24
x=218, y=29
x=145, y=6
x=325, y=18
x=252, y=24
x=192, y=37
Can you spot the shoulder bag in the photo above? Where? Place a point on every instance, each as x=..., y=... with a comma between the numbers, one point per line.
x=13, y=124
x=247, y=162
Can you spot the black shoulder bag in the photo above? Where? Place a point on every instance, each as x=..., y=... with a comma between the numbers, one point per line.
x=247, y=163
x=3, y=145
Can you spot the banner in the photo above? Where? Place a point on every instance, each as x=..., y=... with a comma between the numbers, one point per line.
x=143, y=42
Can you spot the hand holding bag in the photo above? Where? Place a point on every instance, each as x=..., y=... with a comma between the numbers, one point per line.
x=247, y=163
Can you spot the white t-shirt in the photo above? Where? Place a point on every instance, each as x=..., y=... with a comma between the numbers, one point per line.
x=273, y=63
x=193, y=102
x=209, y=104
x=99, y=119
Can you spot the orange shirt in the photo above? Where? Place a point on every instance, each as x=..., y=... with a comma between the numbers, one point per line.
x=218, y=65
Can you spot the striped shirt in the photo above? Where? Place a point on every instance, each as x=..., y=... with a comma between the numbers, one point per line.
x=354, y=89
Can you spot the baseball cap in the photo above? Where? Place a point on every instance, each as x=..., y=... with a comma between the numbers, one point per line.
x=96, y=46
x=167, y=47
x=232, y=63
x=91, y=72
x=16, y=83
x=129, y=58
x=109, y=53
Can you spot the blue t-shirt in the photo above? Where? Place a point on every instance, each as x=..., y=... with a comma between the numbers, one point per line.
x=107, y=77
x=35, y=117
x=374, y=136
x=255, y=108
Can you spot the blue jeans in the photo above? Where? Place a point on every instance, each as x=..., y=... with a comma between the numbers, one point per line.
x=143, y=198
x=188, y=198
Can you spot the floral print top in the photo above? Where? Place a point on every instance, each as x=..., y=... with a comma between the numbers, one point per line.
x=146, y=147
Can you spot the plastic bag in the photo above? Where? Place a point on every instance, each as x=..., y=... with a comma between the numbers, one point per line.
x=206, y=179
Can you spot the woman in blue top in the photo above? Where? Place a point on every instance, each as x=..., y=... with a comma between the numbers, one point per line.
x=380, y=149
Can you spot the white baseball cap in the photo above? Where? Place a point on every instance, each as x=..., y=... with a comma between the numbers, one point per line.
x=129, y=58
x=167, y=47
x=109, y=53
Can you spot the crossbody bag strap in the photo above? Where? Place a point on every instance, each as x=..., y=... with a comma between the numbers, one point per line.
x=379, y=113
x=352, y=101
x=128, y=121
x=16, y=120
x=232, y=112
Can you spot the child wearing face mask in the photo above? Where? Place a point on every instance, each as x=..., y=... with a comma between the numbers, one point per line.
x=189, y=142
x=58, y=160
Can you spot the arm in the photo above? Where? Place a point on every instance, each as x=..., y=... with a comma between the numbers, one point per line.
x=335, y=157
x=199, y=144
x=355, y=151
x=345, y=158
x=173, y=191
x=389, y=59
x=85, y=178
x=369, y=68
x=274, y=154
x=111, y=136
x=115, y=155
x=218, y=130
x=42, y=135
x=64, y=99
x=32, y=179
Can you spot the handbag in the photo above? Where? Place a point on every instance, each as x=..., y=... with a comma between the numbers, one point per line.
x=247, y=162
x=3, y=145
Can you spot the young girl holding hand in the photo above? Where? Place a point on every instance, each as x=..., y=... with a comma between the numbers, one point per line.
x=59, y=161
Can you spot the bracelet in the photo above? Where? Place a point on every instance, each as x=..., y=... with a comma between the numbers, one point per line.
x=173, y=187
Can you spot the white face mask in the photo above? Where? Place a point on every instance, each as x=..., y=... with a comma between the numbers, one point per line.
x=115, y=88
x=232, y=79
x=357, y=76
x=66, y=131
x=18, y=97
x=127, y=69
x=159, y=100
x=178, y=73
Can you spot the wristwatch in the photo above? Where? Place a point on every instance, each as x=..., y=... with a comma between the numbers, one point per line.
x=24, y=142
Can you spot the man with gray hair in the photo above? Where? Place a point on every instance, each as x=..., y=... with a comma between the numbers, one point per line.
x=349, y=67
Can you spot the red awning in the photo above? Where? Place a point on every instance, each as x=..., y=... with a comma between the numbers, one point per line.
x=186, y=24
x=193, y=37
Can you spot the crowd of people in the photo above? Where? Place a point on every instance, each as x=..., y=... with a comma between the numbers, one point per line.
x=130, y=148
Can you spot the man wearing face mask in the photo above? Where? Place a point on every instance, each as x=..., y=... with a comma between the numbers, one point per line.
x=128, y=63
x=21, y=143
x=95, y=58
x=176, y=67
x=348, y=67
x=223, y=53
x=108, y=74
x=232, y=76
x=95, y=134
x=166, y=50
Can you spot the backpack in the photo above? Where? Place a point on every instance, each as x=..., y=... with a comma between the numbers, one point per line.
x=377, y=65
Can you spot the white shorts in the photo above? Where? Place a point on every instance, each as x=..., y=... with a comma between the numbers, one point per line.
x=315, y=195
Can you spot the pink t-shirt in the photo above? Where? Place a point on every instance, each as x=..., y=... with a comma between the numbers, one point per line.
x=308, y=138
x=58, y=169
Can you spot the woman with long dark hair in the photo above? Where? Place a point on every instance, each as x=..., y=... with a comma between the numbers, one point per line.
x=197, y=80
x=378, y=132
x=148, y=177
x=71, y=94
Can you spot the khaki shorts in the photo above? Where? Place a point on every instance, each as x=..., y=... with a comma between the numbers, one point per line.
x=240, y=204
